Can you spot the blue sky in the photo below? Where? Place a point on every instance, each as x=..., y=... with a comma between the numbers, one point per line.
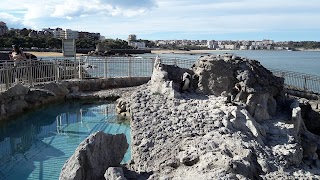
x=279, y=20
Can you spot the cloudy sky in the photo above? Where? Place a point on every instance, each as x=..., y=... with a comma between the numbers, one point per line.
x=171, y=19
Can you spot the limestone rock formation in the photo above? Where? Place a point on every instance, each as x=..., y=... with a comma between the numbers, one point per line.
x=57, y=89
x=94, y=156
x=122, y=108
x=231, y=127
x=166, y=79
x=17, y=91
x=245, y=80
x=114, y=173
x=38, y=95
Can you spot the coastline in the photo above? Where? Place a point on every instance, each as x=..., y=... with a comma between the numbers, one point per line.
x=161, y=51
x=49, y=54
x=166, y=51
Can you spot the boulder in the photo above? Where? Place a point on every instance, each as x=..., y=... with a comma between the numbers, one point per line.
x=57, y=88
x=16, y=91
x=122, y=107
x=16, y=106
x=94, y=156
x=38, y=95
x=246, y=81
x=167, y=79
x=114, y=173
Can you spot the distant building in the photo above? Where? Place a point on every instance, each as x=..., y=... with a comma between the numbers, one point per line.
x=132, y=37
x=137, y=45
x=3, y=28
x=65, y=34
x=88, y=35
x=212, y=44
x=230, y=46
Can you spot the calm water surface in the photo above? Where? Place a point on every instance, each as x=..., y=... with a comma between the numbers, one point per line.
x=37, y=144
x=299, y=61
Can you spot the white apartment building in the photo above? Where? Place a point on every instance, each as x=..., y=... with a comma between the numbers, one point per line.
x=137, y=45
x=65, y=34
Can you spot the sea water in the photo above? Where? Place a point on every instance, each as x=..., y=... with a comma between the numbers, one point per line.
x=307, y=62
x=37, y=144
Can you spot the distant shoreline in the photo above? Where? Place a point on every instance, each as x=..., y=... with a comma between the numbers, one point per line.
x=49, y=54
x=164, y=51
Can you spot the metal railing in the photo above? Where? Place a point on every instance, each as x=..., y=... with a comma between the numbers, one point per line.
x=59, y=69
x=34, y=72
x=299, y=81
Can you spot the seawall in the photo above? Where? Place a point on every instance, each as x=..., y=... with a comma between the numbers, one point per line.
x=19, y=98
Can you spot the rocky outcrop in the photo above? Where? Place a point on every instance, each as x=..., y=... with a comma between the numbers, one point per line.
x=58, y=89
x=167, y=79
x=114, y=173
x=244, y=80
x=20, y=98
x=230, y=127
x=205, y=137
x=122, y=108
x=94, y=156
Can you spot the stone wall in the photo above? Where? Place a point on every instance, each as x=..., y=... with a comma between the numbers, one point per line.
x=20, y=98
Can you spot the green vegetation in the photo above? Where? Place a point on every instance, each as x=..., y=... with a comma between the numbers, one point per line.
x=116, y=44
x=21, y=38
x=304, y=44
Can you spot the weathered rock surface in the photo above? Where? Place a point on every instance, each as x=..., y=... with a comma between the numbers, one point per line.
x=166, y=79
x=38, y=95
x=94, y=156
x=245, y=80
x=204, y=137
x=207, y=135
x=114, y=173
x=57, y=89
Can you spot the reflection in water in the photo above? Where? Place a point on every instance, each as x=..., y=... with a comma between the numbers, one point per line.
x=37, y=144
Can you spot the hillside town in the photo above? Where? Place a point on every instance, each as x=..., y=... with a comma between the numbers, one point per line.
x=134, y=42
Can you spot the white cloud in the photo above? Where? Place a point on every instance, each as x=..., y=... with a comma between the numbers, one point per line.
x=9, y=17
x=120, y=17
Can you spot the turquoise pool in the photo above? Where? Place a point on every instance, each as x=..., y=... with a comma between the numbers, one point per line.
x=37, y=144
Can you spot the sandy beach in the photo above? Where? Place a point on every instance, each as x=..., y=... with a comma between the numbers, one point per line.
x=164, y=51
x=49, y=54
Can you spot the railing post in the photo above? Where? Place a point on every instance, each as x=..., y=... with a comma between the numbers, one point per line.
x=57, y=70
x=305, y=83
x=80, y=69
x=129, y=67
x=6, y=78
x=29, y=69
x=105, y=72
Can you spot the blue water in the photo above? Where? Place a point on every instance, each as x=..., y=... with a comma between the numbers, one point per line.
x=37, y=144
x=307, y=62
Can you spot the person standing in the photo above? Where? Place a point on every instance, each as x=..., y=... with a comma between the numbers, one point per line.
x=17, y=54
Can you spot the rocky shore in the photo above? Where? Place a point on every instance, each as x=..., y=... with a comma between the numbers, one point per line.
x=206, y=133
x=226, y=117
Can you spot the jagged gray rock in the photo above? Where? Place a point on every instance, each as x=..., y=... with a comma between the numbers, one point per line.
x=204, y=136
x=58, y=89
x=166, y=79
x=247, y=81
x=16, y=91
x=114, y=173
x=38, y=95
x=94, y=156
